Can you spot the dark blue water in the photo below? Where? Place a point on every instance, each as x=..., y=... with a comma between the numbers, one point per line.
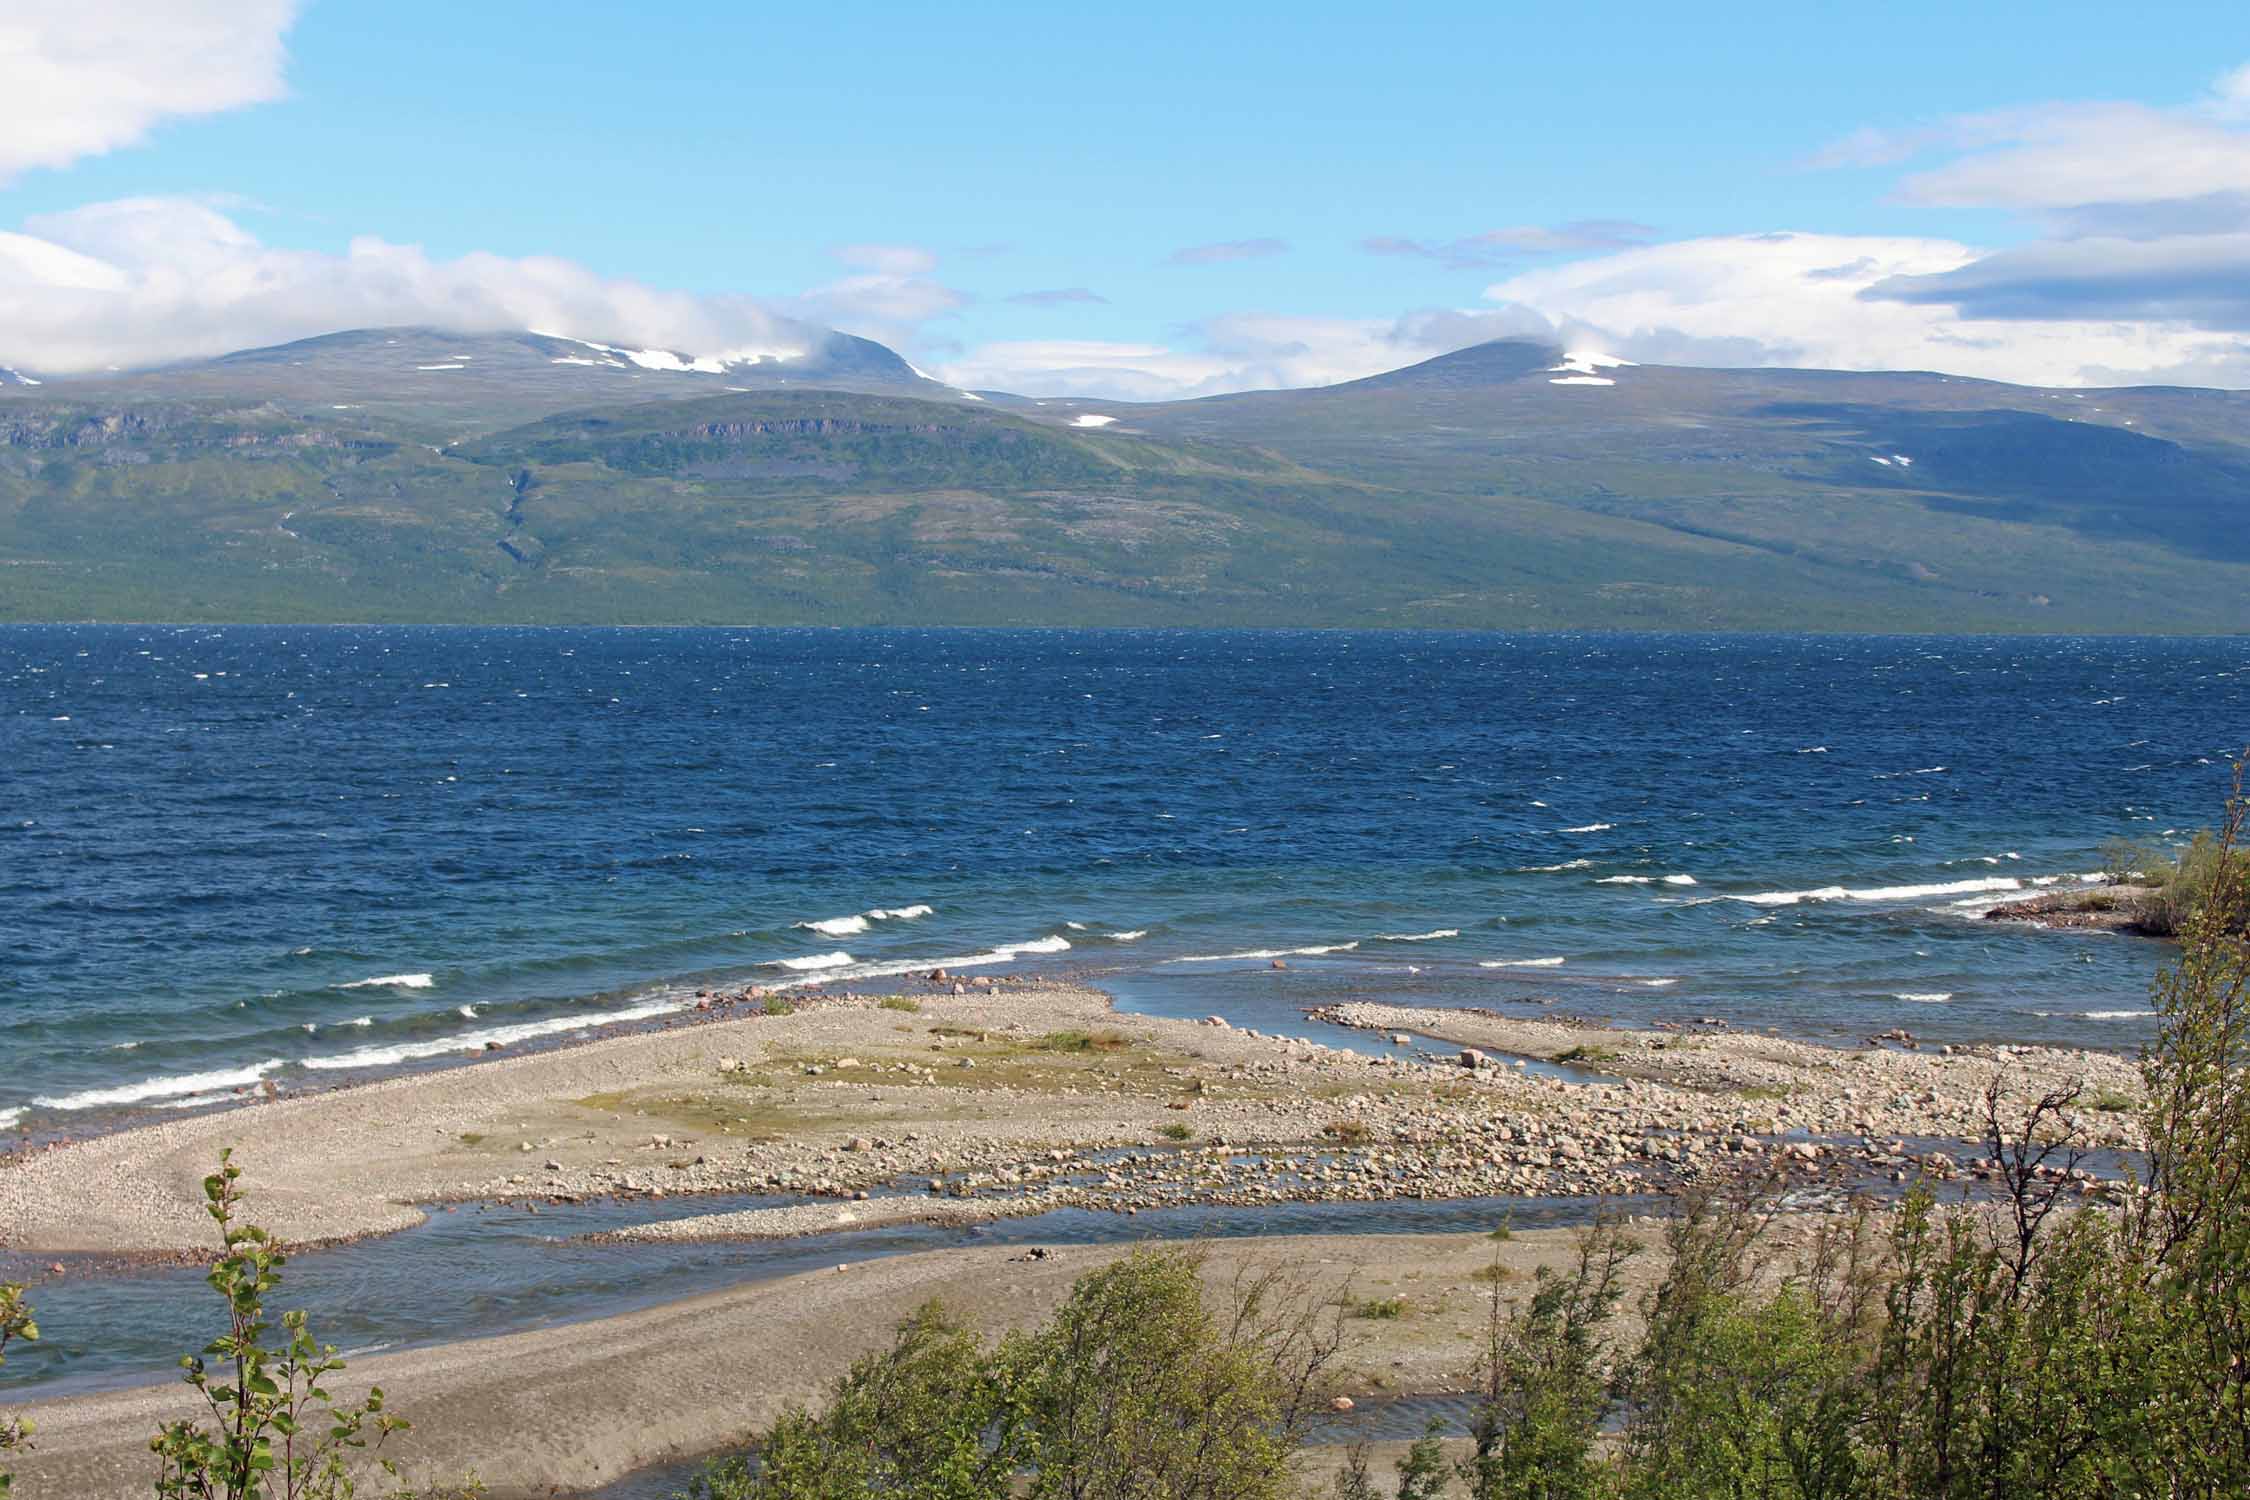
x=292, y=854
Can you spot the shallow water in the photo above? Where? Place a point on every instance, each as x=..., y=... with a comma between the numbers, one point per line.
x=477, y=1272
x=299, y=855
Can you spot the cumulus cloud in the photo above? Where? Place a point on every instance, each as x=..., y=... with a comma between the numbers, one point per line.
x=82, y=77
x=1226, y=250
x=1238, y=352
x=2145, y=214
x=1497, y=245
x=1853, y=302
x=147, y=280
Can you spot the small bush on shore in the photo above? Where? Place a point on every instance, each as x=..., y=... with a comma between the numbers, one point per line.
x=1135, y=1388
x=275, y=1432
x=1380, y=1309
x=2175, y=884
x=900, y=1002
x=15, y=1324
x=1176, y=1132
x=776, y=1006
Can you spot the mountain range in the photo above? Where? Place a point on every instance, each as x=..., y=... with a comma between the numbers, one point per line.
x=414, y=475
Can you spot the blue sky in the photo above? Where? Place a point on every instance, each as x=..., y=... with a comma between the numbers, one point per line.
x=1030, y=195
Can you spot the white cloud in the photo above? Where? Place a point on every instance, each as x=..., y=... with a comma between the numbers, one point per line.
x=1803, y=299
x=1238, y=352
x=2230, y=95
x=2068, y=156
x=146, y=280
x=81, y=77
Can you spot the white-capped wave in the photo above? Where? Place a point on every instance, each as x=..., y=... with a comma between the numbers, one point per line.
x=161, y=1088
x=1308, y=952
x=391, y=982
x=1924, y=997
x=1134, y=936
x=813, y=961
x=1879, y=892
x=856, y=924
x=361, y=1021
x=466, y=1012
x=8, y=1118
x=1417, y=937
x=1519, y=963
x=2117, y=1015
x=1589, y=828
x=1625, y=880
x=1568, y=864
x=472, y=1041
x=891, y=967
x=1656, y=984
x=1679, y=880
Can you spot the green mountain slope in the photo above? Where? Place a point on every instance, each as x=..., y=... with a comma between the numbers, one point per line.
x=335, y=481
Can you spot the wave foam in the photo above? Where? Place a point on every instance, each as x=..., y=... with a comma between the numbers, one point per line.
x=813, y=961
x=856, y=924
x=1416, y=937
x=1625, y=880
x=1133, y=936
x=1568, y=864
x=8, y=1118
x=391, y=982
x=1679, y=880
x=1879, y=892
x=1215, y=958
x=1589, y=828
x=892, y=967
x=473, y=1041
x=161, y=1088
x=1924, y=997
x=1518, y=963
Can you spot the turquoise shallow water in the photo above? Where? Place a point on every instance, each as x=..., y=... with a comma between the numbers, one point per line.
x=297, y=856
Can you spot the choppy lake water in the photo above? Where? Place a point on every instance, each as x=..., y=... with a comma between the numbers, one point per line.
x=298, y=855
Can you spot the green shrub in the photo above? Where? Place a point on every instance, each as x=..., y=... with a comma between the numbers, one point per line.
x=1135, y=1388
x=900, y=1002
x=1083, y=1041
x=263, y=1395
x=776, y=1006
x=1176, y=1132
x=1381, y=1309
x=15, y=1323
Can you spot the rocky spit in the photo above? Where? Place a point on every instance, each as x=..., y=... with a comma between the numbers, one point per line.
x=945, y=1106
x=1298, y=1122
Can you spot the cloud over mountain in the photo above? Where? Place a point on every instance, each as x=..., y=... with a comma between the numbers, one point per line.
x=145, y=280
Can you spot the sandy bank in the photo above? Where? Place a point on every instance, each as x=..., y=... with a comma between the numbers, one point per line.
x=578, y=1406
